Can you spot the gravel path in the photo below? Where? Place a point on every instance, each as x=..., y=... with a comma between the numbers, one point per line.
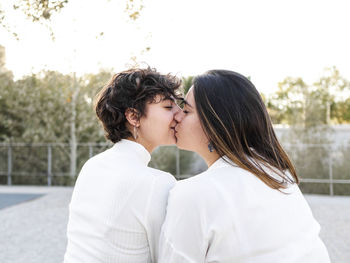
x=35, y=231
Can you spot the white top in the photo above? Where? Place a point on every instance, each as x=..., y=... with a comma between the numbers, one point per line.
x=228, y=215
x=117, y=207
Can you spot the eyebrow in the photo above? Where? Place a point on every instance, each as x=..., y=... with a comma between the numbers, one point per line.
x=182, y=101
x=171, y=98
x=185, y=102
x=167, y=98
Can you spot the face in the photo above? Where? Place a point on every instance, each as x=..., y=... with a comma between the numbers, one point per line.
x=157, y=127
x=189, y=133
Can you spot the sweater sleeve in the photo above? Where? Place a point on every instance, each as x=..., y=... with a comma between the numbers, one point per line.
x=156, y=207
x=183, y=236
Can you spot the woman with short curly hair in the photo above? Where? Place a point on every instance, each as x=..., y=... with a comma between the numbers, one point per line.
x=118, y=203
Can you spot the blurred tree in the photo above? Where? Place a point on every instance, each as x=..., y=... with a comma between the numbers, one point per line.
x=38, y=108
x=42, y=100
x=41, y=11
x=288, y=104
x=88, y=128
x=8, y=120
x=341, y=111
x=333, y=92
x=309, y=110
x=187, y=83
x=298, y=104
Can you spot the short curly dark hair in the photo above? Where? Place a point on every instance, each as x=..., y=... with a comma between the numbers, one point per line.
x=133, y=88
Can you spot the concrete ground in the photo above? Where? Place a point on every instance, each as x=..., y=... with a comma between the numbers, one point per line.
x=35, y=230
x=9, y=199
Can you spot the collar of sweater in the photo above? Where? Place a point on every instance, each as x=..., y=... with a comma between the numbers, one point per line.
x=133, y=148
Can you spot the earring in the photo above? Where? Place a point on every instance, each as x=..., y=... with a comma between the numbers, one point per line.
x=135, y=133
x=210, y=147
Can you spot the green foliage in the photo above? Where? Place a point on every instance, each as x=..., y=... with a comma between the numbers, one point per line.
x=302, y=107
x=340, y=111
x=187, y=83
x=299, y=104
x=309, y=110
x=9, y=118
x=41, y=11
x=133, y=8
x=37, y=10
x=38, y=108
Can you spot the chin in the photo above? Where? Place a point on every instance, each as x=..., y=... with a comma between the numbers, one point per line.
x=170, y=141
x=180, y=145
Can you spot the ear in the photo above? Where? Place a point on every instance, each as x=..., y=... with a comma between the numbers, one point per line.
x=133, y=117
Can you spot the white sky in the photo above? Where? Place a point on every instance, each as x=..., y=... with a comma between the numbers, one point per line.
x=267, y=40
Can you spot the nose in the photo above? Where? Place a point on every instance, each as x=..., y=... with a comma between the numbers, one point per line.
x=176, y=108
x=179, y=116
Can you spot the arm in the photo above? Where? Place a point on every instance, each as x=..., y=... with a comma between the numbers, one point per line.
x=156, y=210
x=183, y=236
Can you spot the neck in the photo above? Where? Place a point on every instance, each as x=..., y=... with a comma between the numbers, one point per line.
x=209, y=157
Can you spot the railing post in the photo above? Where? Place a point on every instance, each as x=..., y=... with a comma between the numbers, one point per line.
x=49, y=164
x=330, y=170
x=9, y=165
x=177, y=162
x=91, y=151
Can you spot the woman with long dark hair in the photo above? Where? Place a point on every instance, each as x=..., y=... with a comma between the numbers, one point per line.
x=247, y=206
x=118, y=203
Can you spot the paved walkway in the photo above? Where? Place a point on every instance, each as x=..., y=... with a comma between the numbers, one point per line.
x=9, y=199
x=35, y=231
x=333, y=214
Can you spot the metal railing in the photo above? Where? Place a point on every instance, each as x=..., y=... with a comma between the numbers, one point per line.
x=327, y=154
x=8, y=158
x=316, y=163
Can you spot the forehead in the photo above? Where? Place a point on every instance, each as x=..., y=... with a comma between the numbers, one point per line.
x=161, y=98
x=189, y=97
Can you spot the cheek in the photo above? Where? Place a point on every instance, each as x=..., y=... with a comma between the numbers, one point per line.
x=188, y=125
x=191, y=127
x=164, y=119
x=199, y=133
x=158, y=121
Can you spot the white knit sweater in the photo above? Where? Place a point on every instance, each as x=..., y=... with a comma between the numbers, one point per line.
x=117, y=207
x=228, y=215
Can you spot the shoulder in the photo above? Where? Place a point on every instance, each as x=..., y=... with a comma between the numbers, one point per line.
x=207, y=186
x=193, y=189
x=161, y=177
x=99, y=158
x=111, y=160
x=202, y=181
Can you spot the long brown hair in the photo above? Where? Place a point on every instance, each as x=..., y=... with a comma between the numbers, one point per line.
x=236, y=122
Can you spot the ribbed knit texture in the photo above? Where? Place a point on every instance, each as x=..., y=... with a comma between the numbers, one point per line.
x=117, y=207
x=228, y=215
